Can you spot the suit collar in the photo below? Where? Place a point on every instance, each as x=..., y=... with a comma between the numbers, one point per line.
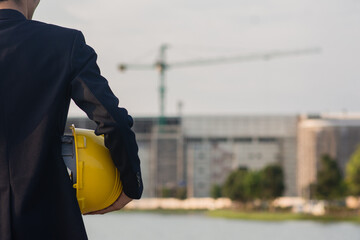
x=10, y=14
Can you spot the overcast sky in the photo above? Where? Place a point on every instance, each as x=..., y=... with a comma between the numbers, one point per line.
x=131, y=31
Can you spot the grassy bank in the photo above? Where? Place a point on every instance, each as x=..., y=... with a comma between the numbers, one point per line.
x=253, y=216
x=280, y=216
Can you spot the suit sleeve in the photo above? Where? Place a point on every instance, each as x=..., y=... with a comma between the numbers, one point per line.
x=91, y=92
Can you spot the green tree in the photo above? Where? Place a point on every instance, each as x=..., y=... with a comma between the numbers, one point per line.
x=181, y=193
x=234, y=185
x=253, y=185
x=272, y=178
x=166, y=192
x=329, y=183
x=242, y=185
x=215, y=191
x=353, y=173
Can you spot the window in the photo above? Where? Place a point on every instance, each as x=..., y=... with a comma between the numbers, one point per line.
x=267, y=140
x=243, y=139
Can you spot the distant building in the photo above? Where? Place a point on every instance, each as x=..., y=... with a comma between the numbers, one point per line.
x=161, y=153
x=195, y=152
x=217, y=145
x=335, y=135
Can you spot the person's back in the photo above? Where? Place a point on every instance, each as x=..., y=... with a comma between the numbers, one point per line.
x=42, y=67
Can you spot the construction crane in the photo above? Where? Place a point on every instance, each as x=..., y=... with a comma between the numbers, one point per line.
x=162, y=66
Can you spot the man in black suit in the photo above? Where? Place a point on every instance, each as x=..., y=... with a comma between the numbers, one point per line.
x=42, y=67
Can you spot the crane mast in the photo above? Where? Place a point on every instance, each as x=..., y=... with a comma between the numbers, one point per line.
x=161, y=65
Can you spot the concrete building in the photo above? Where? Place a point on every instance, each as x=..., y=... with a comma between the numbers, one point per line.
x=161, y=153
x=216, y=145
x=335, y=135
x=195, y=152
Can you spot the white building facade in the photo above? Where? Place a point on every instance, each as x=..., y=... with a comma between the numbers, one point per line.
x=217, y=145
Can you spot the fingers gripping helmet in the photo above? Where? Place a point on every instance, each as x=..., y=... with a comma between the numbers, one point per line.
x=91, y=169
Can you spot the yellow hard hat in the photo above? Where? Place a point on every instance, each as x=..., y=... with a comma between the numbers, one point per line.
x=94, y=175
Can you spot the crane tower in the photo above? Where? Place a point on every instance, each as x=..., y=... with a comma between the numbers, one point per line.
x=162, y=66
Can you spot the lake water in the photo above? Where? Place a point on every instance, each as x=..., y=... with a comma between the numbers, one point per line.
x=150, y=226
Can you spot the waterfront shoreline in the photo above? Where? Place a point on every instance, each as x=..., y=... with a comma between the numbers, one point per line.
x=253, y=215
x=281, y=216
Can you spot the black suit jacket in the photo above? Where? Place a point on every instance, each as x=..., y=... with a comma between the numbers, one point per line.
x=42, y=67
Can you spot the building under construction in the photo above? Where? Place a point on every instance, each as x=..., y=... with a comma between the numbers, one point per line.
x=192, y=153
x=195, y=152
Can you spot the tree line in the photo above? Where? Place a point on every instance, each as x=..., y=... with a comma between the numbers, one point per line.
x=331, y=184
x=244, y=185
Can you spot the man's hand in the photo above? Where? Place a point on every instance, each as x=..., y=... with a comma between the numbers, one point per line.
x=117, y=205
